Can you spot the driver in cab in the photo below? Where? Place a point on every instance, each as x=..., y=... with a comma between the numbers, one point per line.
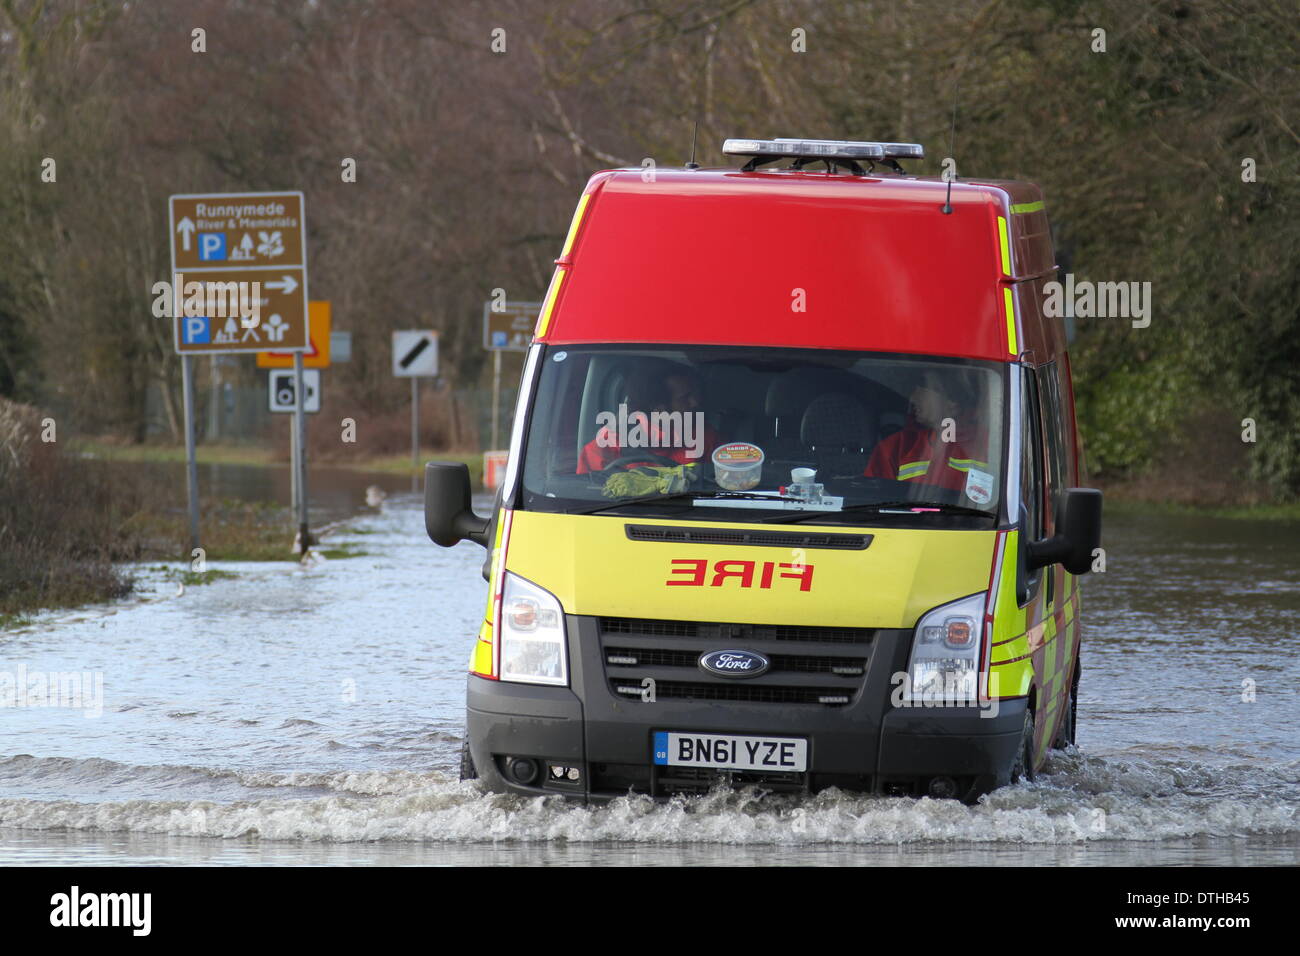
x=927, y=450
x=662, y=417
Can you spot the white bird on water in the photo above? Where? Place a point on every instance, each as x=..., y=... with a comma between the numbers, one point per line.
x=375, y=496
x=309, y=557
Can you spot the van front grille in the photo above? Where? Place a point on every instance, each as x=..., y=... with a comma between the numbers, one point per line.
x=822, y=666
x=802, y=664
x=752, y=691
x=747, y=633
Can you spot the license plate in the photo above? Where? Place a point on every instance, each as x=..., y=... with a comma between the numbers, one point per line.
x=731, y=752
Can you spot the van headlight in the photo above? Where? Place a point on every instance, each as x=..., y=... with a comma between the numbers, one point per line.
x=945, y=662
x=532, y=634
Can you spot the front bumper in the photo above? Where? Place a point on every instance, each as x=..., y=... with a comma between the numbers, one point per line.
x=866, y=745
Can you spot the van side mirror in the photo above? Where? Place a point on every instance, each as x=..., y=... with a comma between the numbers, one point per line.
x=1078, y=533
x=448, y=516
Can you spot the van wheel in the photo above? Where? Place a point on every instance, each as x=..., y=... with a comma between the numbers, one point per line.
x=1023, y=768
x=1065, y=733
x=467, y=771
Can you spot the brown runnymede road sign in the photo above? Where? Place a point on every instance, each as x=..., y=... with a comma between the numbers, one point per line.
x=281, y=324
x=225, y=242
x=227, y=231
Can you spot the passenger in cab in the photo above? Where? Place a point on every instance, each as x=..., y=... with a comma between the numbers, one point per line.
x=666, y=406
x=919, y=452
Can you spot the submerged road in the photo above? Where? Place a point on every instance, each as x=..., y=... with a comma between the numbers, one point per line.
x=313, y=715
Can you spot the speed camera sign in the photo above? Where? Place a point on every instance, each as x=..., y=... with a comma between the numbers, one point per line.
x=282, y=388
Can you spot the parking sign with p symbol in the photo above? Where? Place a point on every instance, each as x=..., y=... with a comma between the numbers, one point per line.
x=197, y=330
x=212, y=246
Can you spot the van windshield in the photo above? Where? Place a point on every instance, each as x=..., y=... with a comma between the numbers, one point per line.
x=771, y=434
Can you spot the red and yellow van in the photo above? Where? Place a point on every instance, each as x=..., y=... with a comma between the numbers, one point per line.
x=791, y=491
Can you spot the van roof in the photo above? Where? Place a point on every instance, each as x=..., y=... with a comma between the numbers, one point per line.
x=796, y=258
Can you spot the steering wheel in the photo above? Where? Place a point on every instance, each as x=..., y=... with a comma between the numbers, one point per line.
x=921, y=492
x=640, y=459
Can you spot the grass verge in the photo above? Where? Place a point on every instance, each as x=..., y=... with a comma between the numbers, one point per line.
x=1252, y=512
x=258, y=455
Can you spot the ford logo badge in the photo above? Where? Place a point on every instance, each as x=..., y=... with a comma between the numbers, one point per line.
x=733, y=663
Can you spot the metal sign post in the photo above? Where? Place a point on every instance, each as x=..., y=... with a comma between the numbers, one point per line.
x=415, y=422
x=496, y=394
x=293, y=464
x=300, y=419
x=214, y=402
x=317, y=356
x=283, y=394
x=191, y=465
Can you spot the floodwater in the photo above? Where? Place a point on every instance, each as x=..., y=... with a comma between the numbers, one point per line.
x=293, y=715
x=333, y=493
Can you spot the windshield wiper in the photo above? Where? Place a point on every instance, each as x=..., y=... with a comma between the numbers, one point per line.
x=687, y=496
x=941, y=507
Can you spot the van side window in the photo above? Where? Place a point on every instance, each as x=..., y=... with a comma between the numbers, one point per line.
x=1031, y=484
x=1054, y=427
x=1031, y=458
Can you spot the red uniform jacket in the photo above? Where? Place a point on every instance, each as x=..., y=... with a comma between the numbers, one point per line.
x=603, y=449
x=917, y=453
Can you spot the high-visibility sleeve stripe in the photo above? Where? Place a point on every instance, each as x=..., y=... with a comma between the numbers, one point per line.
x=1005, y=245
x=1008, y=302
x=912, y=469
x=1024, y=207
x=545, y=318
x=577, y=220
